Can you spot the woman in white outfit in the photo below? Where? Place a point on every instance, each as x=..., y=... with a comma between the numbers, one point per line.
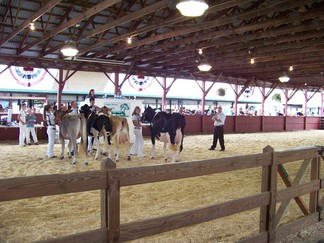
x=139, y=141
x=51, y=130
x=22, y=125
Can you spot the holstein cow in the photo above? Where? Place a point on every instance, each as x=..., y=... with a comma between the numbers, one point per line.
x=119, y=132
x=98, y=125
x=168, y=128
x=72, y=127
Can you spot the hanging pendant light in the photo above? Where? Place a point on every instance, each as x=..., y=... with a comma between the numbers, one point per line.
x=192, y=8
x=204, y=67
x=284, y=78
x=69, y=49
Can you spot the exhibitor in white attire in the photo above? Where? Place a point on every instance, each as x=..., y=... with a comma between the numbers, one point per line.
x=51, y=130
x=139, y=141
x=22, y=125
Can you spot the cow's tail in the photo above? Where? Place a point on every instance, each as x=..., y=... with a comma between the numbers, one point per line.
x=125, y=129
x=128, y=138
x=125, y=125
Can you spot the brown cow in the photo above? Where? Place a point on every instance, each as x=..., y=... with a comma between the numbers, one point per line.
x=119, y=133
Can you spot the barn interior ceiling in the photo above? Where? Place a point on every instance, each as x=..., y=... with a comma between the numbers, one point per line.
x=277, y=34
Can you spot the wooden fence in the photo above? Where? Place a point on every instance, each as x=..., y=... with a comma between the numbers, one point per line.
x=109, y=180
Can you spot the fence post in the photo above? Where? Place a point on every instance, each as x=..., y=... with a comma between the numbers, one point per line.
x=110, y=202
x=320, y=200
x=314, y=175
x=273, y=197
x=265, y=187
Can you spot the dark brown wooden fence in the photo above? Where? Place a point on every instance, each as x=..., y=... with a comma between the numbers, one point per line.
x=110, y=179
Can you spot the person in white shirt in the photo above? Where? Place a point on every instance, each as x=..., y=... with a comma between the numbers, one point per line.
x=139, y=140
x=219, y=122
x=22, y=125
x=51, y=130
x=74, y=108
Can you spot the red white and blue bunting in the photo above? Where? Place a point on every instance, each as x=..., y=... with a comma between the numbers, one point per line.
x=140, y=82
x=248, y=92
x=27, y=76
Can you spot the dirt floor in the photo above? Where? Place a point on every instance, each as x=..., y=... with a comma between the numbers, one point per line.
x=49, y=217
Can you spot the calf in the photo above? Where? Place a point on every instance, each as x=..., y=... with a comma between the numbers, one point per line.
x=119, y=133
x=168, y=128
x=98, y=125
x=72, y=127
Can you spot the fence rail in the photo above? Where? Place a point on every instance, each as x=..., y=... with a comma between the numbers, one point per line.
x=109, y=180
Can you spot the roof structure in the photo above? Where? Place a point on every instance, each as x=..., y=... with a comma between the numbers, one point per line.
x=276, y=34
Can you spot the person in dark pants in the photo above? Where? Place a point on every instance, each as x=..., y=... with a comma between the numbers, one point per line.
x=219, y=122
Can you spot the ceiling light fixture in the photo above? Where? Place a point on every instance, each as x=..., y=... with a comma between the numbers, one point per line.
x=32, y=26
x=129, y=40
x=204, y=67
x=192, y=8
x=200, y=51
x=291, y=68
x=69, y=49
x=252, y=61
x=284, y=78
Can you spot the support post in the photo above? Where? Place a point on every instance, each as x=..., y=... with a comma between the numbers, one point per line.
x=273, y=197
x=265, y=187
x=61, y=84
x=203, y=103
x=164, y=94
x=110, y=202
x=314, y=175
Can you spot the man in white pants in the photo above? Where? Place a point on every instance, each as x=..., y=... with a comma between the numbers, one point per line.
x=22, y=125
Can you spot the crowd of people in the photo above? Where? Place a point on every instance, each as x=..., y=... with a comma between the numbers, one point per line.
x=27, y=120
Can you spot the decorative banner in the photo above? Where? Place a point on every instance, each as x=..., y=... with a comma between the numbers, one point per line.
x=140, y=82
x=248, y=92
x=119, y=108
x=27, y=76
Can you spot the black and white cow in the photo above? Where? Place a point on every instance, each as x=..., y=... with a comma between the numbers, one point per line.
x=168, y=128
x=98, y=125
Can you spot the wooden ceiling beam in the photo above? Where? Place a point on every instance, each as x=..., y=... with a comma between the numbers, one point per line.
x=224, y=34
x=32, y=18
x=92, y=11
x=238, y=30
x=167, y=22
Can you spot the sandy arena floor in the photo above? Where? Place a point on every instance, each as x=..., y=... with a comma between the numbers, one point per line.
x=49, y=217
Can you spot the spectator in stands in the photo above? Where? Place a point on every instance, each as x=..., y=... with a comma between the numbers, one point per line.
x=279, y=113
x=119, y=95
x=299, y=113
x=30, y=127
